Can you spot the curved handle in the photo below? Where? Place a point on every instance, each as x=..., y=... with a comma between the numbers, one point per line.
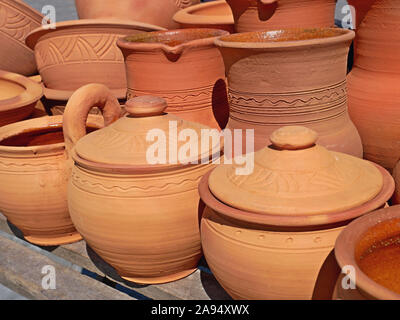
x=266, y=9
x=78, y=108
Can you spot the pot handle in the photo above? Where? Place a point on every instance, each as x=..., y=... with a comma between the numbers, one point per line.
x=78, y=109
x=266, y=9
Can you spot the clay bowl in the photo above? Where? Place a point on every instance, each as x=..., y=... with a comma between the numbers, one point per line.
x=215, y=15
x=377, y=231
x=262, y=256
x=34, y=173
x=17, y=19
x=18, y=97
x=81, y=52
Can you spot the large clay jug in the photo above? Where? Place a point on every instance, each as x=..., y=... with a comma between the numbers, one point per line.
x=253, y=15
x=287, y=77
x=374, y=84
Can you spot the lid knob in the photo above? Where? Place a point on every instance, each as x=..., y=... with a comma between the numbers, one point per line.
x=146, y=106
x=293, y=138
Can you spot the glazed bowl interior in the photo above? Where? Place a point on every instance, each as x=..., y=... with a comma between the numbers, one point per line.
x=174, y=37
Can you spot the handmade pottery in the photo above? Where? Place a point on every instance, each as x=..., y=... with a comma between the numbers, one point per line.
x=361, y=8
x=263, y=231
x=214, y=14
x=17, y=19
x=81, y=52
x=269, y=86
x=137, y=212
x=374, y=81
x=255, y=15
x=157, y=12
x=33, y=179
x=18, y=97
x=182, y=66
x=370, y=245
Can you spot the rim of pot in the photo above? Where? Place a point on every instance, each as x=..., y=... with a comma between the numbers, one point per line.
x=293, y=37
x=42, y=123
x=189, y=37
x=346, y=245
x=108, y=23
x=186, y=16
x=29, y=10
x=31, y=94
x=298, y=220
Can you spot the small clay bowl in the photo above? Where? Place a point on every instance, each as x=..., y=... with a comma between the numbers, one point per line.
x=215, y=14
x=18, y=97
x=359, y=236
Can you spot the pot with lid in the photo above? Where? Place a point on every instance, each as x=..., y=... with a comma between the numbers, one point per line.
x=270, y=234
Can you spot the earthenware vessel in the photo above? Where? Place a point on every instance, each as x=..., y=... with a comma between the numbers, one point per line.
x=369, y=245
x=157, y=12
x=256, y=15
x=17, y=19
x=262, y=230
x=182, y=66
x=33, y=179
x=269, y=86
x=82, y=51
x=374, y=81
x=214, y=14
x=138, y=211
x=361, y=8
x=18, y=97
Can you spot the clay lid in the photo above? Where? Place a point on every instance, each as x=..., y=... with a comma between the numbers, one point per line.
x=294, y=176
x=146, y=138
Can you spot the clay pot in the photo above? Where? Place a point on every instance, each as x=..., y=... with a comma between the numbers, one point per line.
x=81, y=52
x=361, y=9
x=183, y=67
x=141, y=218
x=214, y=14
x=18, y=97
x=262, y=231
x=33, y=180
x=269, y=86
x=155, y=12
x=374, y=81
x=17, y=19
x=255, y=15
x=370, y=245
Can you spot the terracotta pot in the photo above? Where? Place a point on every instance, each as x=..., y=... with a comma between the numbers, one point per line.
x=214, y=14
x=183, y=67
x=361, y=9
x=17, y=19
x=255, y=15
x=264, y=231
x=370, y=246
x=33, y=180
x=373, y=84
x=155, y=12
x=18, y=97
x=140, y=218
x=81, y=52
x=269, y=86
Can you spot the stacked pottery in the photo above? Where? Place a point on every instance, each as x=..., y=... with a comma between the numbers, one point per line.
x=369, y=249
x=254, y=15
x=135, y=204
x=291, y=77
x=270, y=234
x=373, y=84
x=17, y=19
x=182, y=66
x=157, y=12
x=214, y=14
x=34, y=174
x=77, y=53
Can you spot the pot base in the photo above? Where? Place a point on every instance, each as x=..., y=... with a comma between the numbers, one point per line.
x=161, y=280
x=55, y=241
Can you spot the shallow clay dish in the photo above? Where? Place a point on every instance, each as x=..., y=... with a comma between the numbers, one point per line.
x=18, y=97
x=370, y=245
x=214, y=14
x=17, y=19
x=82, y=51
